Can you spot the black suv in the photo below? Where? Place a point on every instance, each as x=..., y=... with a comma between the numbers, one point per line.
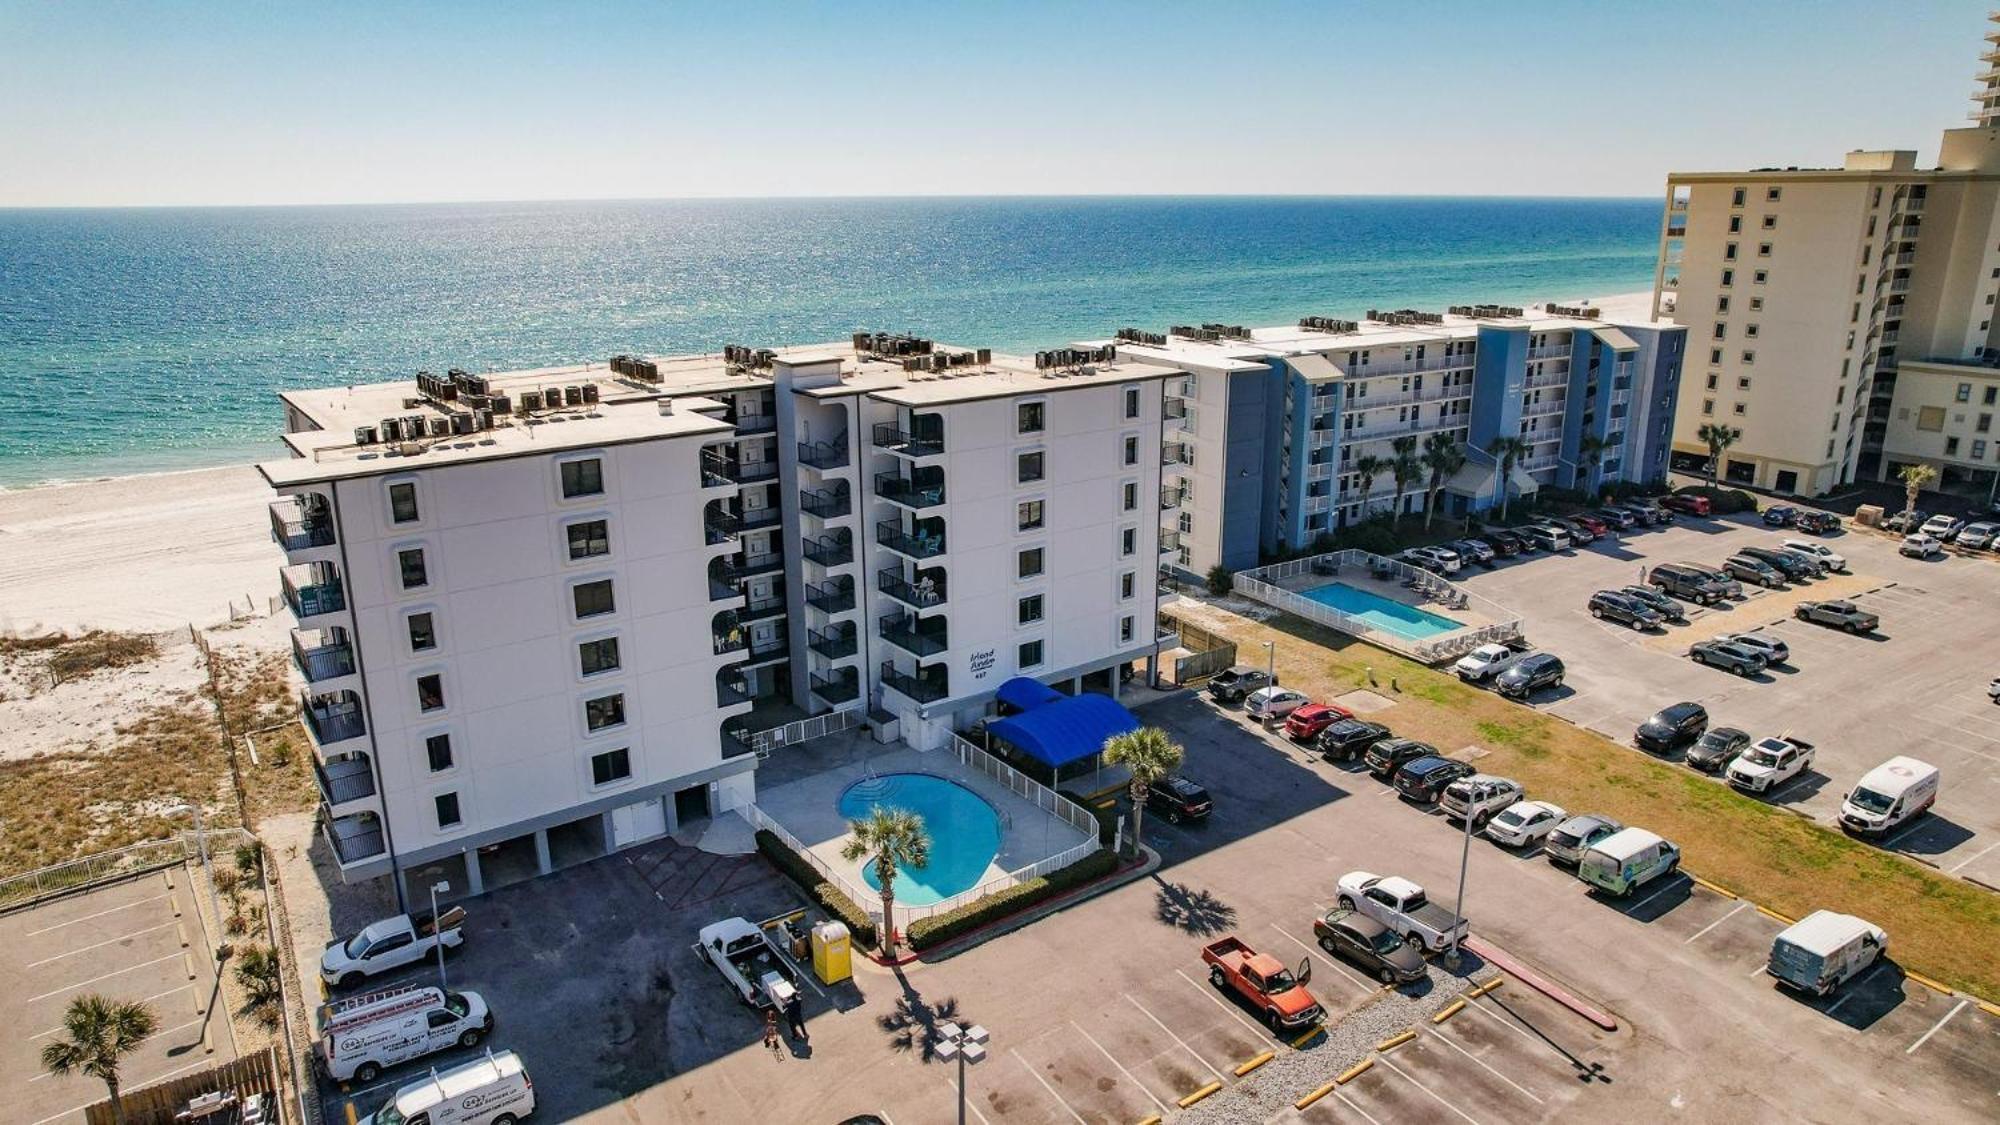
x=1529, y=675
x=1687, y=582
x=1424, y=779
x=1236, y=683
x=1386, y=755
x=1507, y=542
x=1610, y=605
x=1659, y=603
x=1717, y=748
x=1673, y=727
x=1792, y=566
x=1177, y=799
x=1348, y=739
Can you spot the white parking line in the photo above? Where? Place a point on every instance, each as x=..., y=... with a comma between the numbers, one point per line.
x=1219, y=1002
x=1479, y=1006
x=106, y=976
x=1961, y=863
x=147, y=1000
x=99, y=914
x=1037, y=1075
x=99, y=945
x=155, y=1035
x=1356, y=1108
x=1936, y=1026
x=969, y=1104
x=1157, y=1103
x=1678, y=881
x=1384, y=1060
x=1317, y=955
x=1854, y=989
x=1525, y=1092
x=1192, y=1053
x=1717, y=922
x=1787, y=787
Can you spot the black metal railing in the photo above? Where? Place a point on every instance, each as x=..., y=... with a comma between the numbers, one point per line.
x=895, y=439
x=323, y=595
x=754, y=518
x=771, y=647
x=722, y=527
x=915, y=635
x=831, y=550
x=919, y=544
x=923, y=594
x=323, y=662
x=297, y=527
x=834, y=597
x=332, y=722
x=837, y=688
x=1171, y=497
x=760, y=608
x=826, y=503
x=904, y=491
x=841, y=640
x=731, y=689
x=824, y=454
x=342, y=781
x=354, y=845
x=924, y=687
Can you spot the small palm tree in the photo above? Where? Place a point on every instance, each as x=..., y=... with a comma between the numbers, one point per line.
x=1406, y=468
x=98, y=1033
x=1443, y=456
x=1915, y=479
x=1368, y=467
x=1718, y=438
x=1589, y=454
x=258, y=970
x=1151, y=756
x=1507, y=450
x=887, y=837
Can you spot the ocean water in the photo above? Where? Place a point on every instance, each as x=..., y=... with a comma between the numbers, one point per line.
x=153, y=339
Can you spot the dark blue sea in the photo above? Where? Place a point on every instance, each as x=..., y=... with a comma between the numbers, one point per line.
x=153, y=339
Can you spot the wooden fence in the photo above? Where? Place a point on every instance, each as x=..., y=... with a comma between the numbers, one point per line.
x=157, y=1104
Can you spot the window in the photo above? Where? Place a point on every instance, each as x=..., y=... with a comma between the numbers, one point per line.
x=1749, y=357
x=1029, y=610
x=1763, y=249
x=1771, y=194
x=589, y=539
x=582, y=478
x=403, y=502
x=1131, y=402
x=1738, y=408
x=604, y=711
x=610, y=766
x=1951, y=447
x=1735, y=224
x=1712, y=378
x=593, y=598
x=1130, y=496
x=1029, y=655
x=1979, y=449
x=1721, y=330
x=1770, y=222
x=1028, y=515
x=1990, y=395
x=1761, y=276
x=1930, y=418
x=1750, y=330
x=447, y=810
x=437, y=750
x=1728, y=277
x=411, y=563
x=1128, y=584
x=1708, y=406
x=430, y=692
x=1729, y=251
x=1736, y=197
x=1030, y=563
x=1128, y=542
x=1028, y=467
x=1756, y=304
x=1029, y=418
x=1715, y=355
x=1964, y=392
x=1125, y=628
x=423, y=632
x=1131, y=451
x=1722, y=303
x=600, y=655
x=1743, y=382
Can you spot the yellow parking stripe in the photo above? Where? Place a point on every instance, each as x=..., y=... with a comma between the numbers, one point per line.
x=1310, y=1032
x=1768, y=913
x=1927, y=982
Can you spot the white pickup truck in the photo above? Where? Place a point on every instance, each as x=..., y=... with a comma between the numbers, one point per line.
x=1489, y=660
x=388, y=944
x=746, y=957
x=1400, y=905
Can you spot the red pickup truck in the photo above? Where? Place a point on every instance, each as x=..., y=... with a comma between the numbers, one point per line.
x=1276, y=992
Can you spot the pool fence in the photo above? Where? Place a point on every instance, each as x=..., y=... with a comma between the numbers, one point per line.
x=1262, y=584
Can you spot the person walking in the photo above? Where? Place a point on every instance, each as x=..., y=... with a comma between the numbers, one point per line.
x=795, y=1015
x=771, y=1029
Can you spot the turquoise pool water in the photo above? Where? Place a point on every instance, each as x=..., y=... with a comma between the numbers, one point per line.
x=1386, y=614
x=965, y=832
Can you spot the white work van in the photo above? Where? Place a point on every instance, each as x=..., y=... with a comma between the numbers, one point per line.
x=1824, y=950
x=362, y=1037
x=494, y=1090
x=1897, y=791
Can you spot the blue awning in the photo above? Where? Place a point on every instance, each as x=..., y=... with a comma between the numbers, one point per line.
x=1066, y=729
x=1024, y=693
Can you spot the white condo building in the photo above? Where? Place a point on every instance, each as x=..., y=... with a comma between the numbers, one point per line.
x=546, y=614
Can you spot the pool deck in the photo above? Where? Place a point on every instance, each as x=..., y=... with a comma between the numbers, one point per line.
x=804, y=792
x=1470, y=616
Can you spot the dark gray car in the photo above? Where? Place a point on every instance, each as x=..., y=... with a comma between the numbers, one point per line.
x=1749, y=568
x=1728, y=656
x=1529, y=675
x=1713, y=751
x=1375, y=947
x=1565, y=845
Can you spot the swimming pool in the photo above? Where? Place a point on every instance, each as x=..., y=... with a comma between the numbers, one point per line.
x=1382, y=613
x=965, y=832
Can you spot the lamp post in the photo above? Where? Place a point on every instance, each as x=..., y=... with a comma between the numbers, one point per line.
x=441, y=886
x=1458, y=912
x=201, y=838
x=1270, y=663
x=966, y=1045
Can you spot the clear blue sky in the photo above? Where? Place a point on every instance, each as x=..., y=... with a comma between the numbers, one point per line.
x=112, y=102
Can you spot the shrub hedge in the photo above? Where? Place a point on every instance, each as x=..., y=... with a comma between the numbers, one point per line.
x=829, y=897
x=1107, y=819
x=927, y=932
x=1723, y=501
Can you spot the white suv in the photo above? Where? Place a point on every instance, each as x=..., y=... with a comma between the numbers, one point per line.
x=1479, y=797
x=1818, y=552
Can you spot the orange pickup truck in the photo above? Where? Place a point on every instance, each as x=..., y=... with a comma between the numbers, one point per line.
x=1277, y=993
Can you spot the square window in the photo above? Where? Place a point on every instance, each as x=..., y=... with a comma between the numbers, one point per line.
x=1029, y=417
x=437, y=751
x=1131, y=402
x=1738, y=408
x=610, y=766
x=403, y=502
x=1128, y=542
x=604, y=711
x=1028, y=515
x=1029, y=655
x=1763, y=249
x=589, y=539
x=1756, y=304
x=1964, y=392
x=410, y=562
x=1126, y=626
x=430, y=692
x=596, y=656
x=582, y=478
x=593, y=599
x=1750, y=330
x=1743, y=382
x=1761, y=276
x=1131, y=451
x=1770, y=222
x=1128, y=584
x=447, y=810
x=1029, y=610
x=423, y=632
x=1130, y=496
x=1030, y=563
x=1771, y=194
x=1029, y=467
x=1749, y=357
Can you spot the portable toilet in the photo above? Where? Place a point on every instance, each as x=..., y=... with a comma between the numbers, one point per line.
x=833, y=952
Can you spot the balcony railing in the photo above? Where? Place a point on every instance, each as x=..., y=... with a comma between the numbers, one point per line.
x=754, y=518
x=1173, y=407
x=839, y=688
x=916, y=545
x=718, y=470
x=1171, y=497
x=915, y=635
x=834, y=597
x=831, y=550
x=925, y=593
x=721, y=527
x=1170, y=542
x=322, y=662
x=355, y=839
x=296, y=527
x=826, y=503
x=755, y=423
x=325, y=596
x=770, y=648
x=895, y=439
x=824, y=454
x=730, y=689
x=842, y=640
x=332, y=722
x=729, y=634
x=1552, y=351
x=758, y=609
x=924, y=687
x=1548, y=379
x=902, y=490
x=1173, y=453
x=345, y=779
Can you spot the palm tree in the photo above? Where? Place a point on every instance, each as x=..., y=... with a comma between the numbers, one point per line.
x=1915, y=479
x=98, y=1033
x=1407, y=468
x=1367, y=468
x=1507, y=450
x=1151, y=756
x=1589, y=454
x=1443, y=456
x=888, y=837
x=1719, y=438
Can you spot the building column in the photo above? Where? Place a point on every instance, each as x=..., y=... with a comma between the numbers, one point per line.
x=1076, y=685
x=474, y=884
x=610, y=833
x=1117, y=681
x=542, y=861
x=1153, y=670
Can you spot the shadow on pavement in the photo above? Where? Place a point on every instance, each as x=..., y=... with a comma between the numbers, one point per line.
x=1191, y=910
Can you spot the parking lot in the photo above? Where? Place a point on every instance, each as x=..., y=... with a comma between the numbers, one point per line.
x=1917, y=687
x=136, y=940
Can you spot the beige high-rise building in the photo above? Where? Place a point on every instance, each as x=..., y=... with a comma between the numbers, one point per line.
x=1806, y=290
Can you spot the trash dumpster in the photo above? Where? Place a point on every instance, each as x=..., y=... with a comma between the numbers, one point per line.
x=832, y=952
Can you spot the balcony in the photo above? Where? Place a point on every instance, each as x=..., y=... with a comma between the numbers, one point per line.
x=842, y=687
x=1173, y=453
x=736, y=737
x=753, y=423
x=719, y=525
x=301, y=524
x=719, y=470
x=834, y=597
x=1170, y=542
x=754, y=518
x=1548, y=379
x=355, y=840
x=915, y=635
x=322, y=655
x=836, y=549
x=926, y=592
x=826, y=503
x=775, y=647
x=344, y=782
x=1173, y=408
x=317, y=592
x=894, y=439
x=731, y=688
x=926, y=686
x=332, y=719
x=1552, y=351
x=898, y=489
x=1171, y=497
x=728, y=633
x=1545, y=407
x=841, y=640
x=762, y=609
x=925, y=541
x=739, y=568
x=824, y=455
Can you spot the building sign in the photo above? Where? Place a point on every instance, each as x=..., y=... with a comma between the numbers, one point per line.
x=982, y=663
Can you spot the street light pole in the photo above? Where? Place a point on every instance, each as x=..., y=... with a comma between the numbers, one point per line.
x=966, y=1045
x=442, y=885
x=208, y=872
x=1458, y=912
x=1270, y=663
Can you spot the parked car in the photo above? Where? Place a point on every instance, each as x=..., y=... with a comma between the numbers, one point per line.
x=1278, y=994
x=1919, y=546
x=1942, y=528
x=1305, y=723
x=1768, y=764
x=1730, y=583
x=1424, y=779
x=1489, y=660
x=1978, y=536
x=747, y=958
x=1599, y=523
x=1627, y=860
x=1363, y=941
x=1418, y=558
x=1749, y=568
x=1479, y=797
x=1716, y=748
x=1905, y=521
x=1524, y=824
x=1670, y=728
x=391, y=943
x=1271, y=703
x=1726, y=656
x=1650, y=510
x=1444, y=559
x=1610, y=605
x=1233, y=685
x=1402, y=906
x=1827, y=555
x=1840, y=614
x=1175, y=799
x=1666, y=607
x=1531, y=674
x=1781, y=515
x=1620, y=518
x=1473, y=550
x=1579, y=533
x=1348, y=739
x=1773, y=650
x=1816, y=564
x=1824, y=950
x=361, y=1037
x=1506, y=543
x=1386, y=756
x=1888, y=796
x=1791, y=565
x=1686, y=503
x=1818, y=523
x=1546, y=538
x=1565, y=843
x=1688, y=582
x=493, y=1090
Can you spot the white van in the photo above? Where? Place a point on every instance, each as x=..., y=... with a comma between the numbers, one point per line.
x=1897, y=791
x=1627, y=860
x=1824, y=950
x=494, y=1090
x=363, y=1036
